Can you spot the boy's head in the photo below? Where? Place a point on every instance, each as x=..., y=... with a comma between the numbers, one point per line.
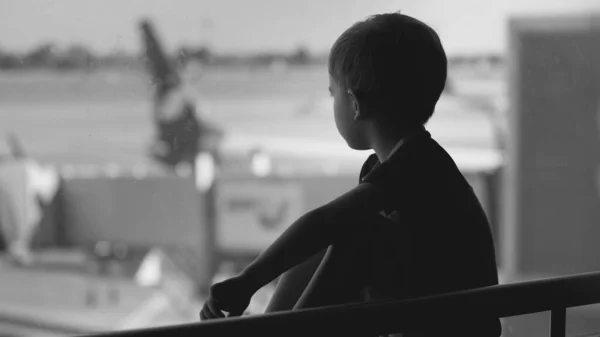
x=389, y=69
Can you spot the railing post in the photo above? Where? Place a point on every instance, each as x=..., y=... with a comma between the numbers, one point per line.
x=558, y=322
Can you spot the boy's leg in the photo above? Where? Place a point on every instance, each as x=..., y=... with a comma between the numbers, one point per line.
x=292, y=284
x=342, y=274
x=351, y=261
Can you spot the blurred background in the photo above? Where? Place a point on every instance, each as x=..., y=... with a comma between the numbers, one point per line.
x=151, y=148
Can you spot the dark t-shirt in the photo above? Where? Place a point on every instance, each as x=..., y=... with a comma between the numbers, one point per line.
x=440, y=241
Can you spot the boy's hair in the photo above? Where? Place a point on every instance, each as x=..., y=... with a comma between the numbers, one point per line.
x=395, y=64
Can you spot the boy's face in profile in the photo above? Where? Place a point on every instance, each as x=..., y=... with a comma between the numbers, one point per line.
x=345, y=108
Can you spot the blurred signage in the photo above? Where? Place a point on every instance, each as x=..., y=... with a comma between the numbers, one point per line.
x=552, y=201
x=252, y=214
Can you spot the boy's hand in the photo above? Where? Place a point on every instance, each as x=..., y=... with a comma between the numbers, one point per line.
x=232, y=295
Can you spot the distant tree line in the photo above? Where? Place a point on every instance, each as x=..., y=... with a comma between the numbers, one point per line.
x=300, y=56
x=492, y=60
x=74, y=57
x=78, y=57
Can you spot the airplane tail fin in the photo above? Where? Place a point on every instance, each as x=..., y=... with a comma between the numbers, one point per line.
x=163, y=73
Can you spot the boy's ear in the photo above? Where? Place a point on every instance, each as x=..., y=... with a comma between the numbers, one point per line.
x=359, y=113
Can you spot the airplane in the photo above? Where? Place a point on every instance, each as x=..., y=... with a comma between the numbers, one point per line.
x=181, y=131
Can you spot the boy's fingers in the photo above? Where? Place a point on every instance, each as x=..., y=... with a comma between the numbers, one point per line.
x=214, y=309
x=205, y=313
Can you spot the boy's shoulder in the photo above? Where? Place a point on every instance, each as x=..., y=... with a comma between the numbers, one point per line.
x=421, y=157
x=420, y=171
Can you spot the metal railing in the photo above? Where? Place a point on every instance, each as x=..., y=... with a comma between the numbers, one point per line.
x=377, y=318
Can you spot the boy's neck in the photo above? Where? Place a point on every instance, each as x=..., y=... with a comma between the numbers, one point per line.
x=385, y=142
x=383, y=148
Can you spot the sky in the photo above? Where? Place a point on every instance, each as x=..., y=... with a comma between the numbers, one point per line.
x=465, y=26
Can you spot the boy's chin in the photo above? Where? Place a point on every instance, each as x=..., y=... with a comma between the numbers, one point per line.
x=357, y=146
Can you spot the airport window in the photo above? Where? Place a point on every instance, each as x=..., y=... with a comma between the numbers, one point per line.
x=149, y=150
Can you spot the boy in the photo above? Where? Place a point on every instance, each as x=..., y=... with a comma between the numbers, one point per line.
x=413, y=226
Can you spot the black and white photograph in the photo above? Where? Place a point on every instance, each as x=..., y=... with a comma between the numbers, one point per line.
x=368, y=168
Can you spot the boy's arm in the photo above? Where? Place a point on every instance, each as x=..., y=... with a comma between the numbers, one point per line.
x=313, y=232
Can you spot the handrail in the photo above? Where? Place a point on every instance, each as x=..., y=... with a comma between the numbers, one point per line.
x=553, y=294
